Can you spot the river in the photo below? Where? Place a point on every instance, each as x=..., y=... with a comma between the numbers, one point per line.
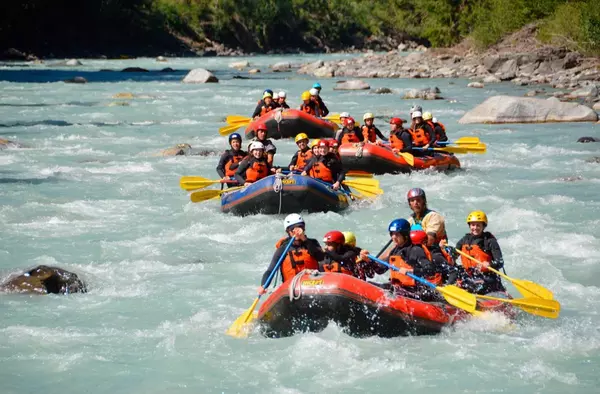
x=167, y=277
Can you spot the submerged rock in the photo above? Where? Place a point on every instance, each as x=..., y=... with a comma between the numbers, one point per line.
x=588, y=139
x=383, y=91
x=239, y=65
x=200, y=75
x=177, y=150
x=594, y=159
x=76, y=80
x=134, y=70
x=355, y=84
x=478, y=85
x=510, y=109
x=45, y=280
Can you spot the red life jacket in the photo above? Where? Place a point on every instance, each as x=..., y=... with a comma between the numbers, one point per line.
x=369, y=134
x=296, y=260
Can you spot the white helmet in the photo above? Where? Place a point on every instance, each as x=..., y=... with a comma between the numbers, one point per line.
x=313, y=92
x=275, y=96
x=368, y=115
x=344, y=115
x=291, y=220
x=416, y=108
x=282, y=94
x=417, y=114
x=256, y=145
x=434, y=120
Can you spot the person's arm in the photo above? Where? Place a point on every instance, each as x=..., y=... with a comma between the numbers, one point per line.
x=422, y=266
x=429, y=130
x=314, y=249
x=257, y=110
x=338, y=169
x=494, y=248
x=274, y=260
x=309, y=165
x=324, y=109
x=294, y=159
x=240, y=173
x=222, y=161
x=381, y=136
x=359, y=134
x=407, y=142
x=435, y=223
x=364, y=131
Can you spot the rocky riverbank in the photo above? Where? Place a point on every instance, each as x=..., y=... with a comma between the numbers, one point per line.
x=519, y=58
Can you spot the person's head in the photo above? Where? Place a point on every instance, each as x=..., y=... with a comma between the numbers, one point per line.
x=314, y=146
x=399, y=231
x=268, y=98
x=334, y=239
x=418, y=237
x=317, y=86
x=314, y=93
x=417, y=200
x=302, y=141
x=235, y=141
x=276, y=97
x=306, y=97
x=349, y=123
x=427, y=116
x=282, y=97
x=417, y=117
x=257, y=149
x=292, y=221
x=333, y=146
x=368, y=118
x=350, y=238
x=477, y=221
x=343, y=117
x=323, y=147
x=261, y=132
x=268, y=91
x=396, y=124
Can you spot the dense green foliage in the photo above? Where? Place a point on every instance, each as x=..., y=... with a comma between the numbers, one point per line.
x=263, y=25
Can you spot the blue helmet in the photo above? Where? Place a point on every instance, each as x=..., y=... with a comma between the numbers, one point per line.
x=399, y=225
x=317, y=85
x=268, y=91
x=235, y=136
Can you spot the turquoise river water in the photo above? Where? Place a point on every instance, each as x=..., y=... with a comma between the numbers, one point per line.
x=167, y=277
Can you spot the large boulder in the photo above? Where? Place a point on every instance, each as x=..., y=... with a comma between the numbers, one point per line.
x=324, y=72
x=510, y=109
x=45, y=280
x=200, y=75
x=281, y=66
x=355, y=84
x=478, y=85
x=424, y=94
x=239, y=65
x=585, y=140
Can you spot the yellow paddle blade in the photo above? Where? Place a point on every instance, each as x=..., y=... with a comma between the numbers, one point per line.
x=479, y=148
x=359, y=174
x=226, y=130
x=532, y=305
x=467, y=141
x=204, y=195
x=367, y=191
x=335, y=118
x=240, y=328
x=237, y=119
x=195, y=182
x=368, y=182
x=459, y=298
x=410, y=159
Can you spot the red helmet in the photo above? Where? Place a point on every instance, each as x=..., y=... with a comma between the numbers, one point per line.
x=335, y=237
x=324, y=143
x=396, y=121
x=261, y=126
x=418, y=237
x=349, y=121
x=334, y=144
x=416, y=192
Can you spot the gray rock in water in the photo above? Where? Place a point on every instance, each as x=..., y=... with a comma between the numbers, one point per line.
x=281, y=66
x=45, y=280
x=161, y=59
x=510, y=109
x=167, y=70
x=324, y=72
x=475, y=85
x=253, y=71
x=584, y=140
x=73, y=62
x=595, y=160
x=383, y=91
x=134, y=70
x=177, y=150
x=596, y=106
x=76, y=80
x=424, y=94
x=588, y=91
x=239, y=65
x=491, y=79
x=508, y=70
x=570, y=178
x=200, y=75
x=355, y=84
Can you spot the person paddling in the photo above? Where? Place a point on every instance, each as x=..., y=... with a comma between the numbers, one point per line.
x=302, y=155
x=350, y=134
x=325, y=167
x=305, y=253
x=282, y=102
x=439, y=130
x=230, y=159
x=369, y=131
x=432, y=222
x=423, y=136
x=316, y=98
x=309, y=106
x=338, y=257
x=400, y=138
x=254, y=167
x=266, y=105
x=261, y=136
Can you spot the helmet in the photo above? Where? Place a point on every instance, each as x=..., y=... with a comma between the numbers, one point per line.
x=324, y=143
x=477, y=216
x=396, y=121
x=334, y=144
x=317, y=85
x=434, y=120
x=293, y=219
x=427, y=116
x=399, y=225
x=235, y=136
x=261, y=126
x=268, y=91
x=313, y=92
x=416, y=192
x=306, y=95
x=282, y=94
x=256, y=145
x=349, y=121
x=418, y=237
x=416, y=108
x=416, y=226
x=335, y=236
x=350, y=238
x=300, y=137
x=344, y=115
x=267, y=94
x=275, y=96
x=417, y=114
x=368, y=115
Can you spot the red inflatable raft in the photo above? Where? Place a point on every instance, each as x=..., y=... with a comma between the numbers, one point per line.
x=290, y=122
x=311, y=300
x=378, y=159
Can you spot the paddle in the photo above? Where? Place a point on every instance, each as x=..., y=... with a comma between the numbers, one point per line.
x=204, y=195
x=226, y=130
x=359, y=174
x=198, y=182
x=454, y=295
x=408, y=158
x=532, y=305
x=462, y=141
x=525, y=287
x=366, y=186
x=239, y=328
x=231, y=119
x=480, y=149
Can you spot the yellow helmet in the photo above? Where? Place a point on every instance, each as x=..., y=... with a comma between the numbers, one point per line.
x=427, y=116
x=350, y=238
x=314, y=143
x=300, y=137
x=306, y=95
x=477, y=216
x=368, y=115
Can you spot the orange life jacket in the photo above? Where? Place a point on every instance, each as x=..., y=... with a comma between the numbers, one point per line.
x=320, y=171
x=303, y=158
x=430, y=123
x=334, y=266
x=235, y=158
x=439, y=135
x=395, y=141
x=309, y=109
x=407, y=281
x=350, y=137
x=368, y=133
x=258, y=170
x=296, y=260
x=266, y=109
x=440, y=125
x=419, y=137
x=477, y=253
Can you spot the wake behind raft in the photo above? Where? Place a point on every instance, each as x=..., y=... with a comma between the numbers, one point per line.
x=290, y=122
x=282, y=194
x=310, y=300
